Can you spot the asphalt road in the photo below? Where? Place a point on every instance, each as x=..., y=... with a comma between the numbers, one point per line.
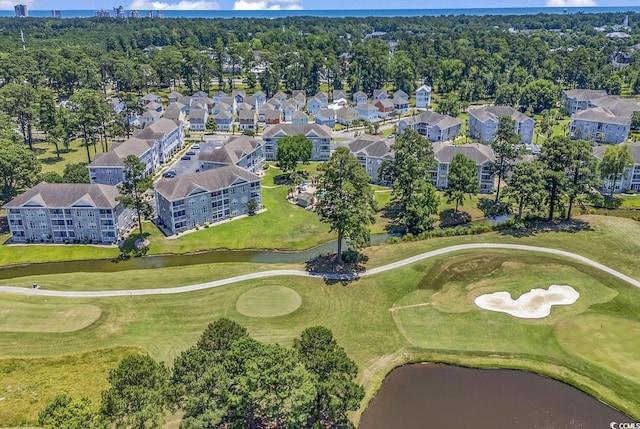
x=273, y=273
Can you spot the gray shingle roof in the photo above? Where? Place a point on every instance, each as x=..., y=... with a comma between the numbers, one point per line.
x=601, y=114
x=584, y=94
x=386, y=103
x=60, y=195
x=157, y=130
x=197, y=114
x=232, y=151
x=598, y=151
x=445, y=152
x=485, y=113
x=619, y=106
x=115, y=157
x=209, y=180
x=373, y=146
x=433, y=119
x=294, y=129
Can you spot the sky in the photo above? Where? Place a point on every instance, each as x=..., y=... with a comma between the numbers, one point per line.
x=301, y=4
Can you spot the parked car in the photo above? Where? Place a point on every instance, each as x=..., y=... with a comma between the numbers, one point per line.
x=195, y=146
x=191, y=153
x=170, y=173
x=186, y=158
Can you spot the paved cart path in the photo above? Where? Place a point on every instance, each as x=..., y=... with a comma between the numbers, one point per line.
x=273, y=273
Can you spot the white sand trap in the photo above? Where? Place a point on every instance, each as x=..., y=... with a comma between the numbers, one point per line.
x=534, y=304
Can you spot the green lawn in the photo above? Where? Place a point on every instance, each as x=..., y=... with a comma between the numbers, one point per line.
x=442, y=323
x=76, y=153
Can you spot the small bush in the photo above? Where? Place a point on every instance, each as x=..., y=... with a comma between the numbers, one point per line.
x=351, y=256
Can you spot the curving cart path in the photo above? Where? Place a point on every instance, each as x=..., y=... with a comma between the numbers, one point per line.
x=273, y=273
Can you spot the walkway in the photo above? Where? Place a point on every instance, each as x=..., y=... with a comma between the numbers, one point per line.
x=338, y=277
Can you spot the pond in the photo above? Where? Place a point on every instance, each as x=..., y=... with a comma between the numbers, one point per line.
x=443, y=396
x=161, y=261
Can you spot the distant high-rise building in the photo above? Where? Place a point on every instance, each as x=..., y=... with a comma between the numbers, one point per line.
x=134, y=14
x=118, y=12
x=21, y=10
x=56, y=14
x=102, y=14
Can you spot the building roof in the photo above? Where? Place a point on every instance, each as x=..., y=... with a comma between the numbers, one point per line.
x=59, y=195
x=494, y=113
x=400, y=94
x=208, y=180
x=433, y=119
x=150, y=97
x=151, y=114
x=584, y=94
x=385, y=103
x=223, y=115
x=294, y=129
x=115, y=157
x=272, y=114
x=360, y=94
x=598, y=151
x=174, y=94
x=299, y=115
x=373, y=146
x=425, y=88
x=619, y=106
x=368, y=107
x=232, y=151
x=445, y=152
x=174, y=114
x=601, y=114
x=347, y=111
x=176, y=105
x=198, y=114
x=157, y=129
x=246, y=115
x=326, y=113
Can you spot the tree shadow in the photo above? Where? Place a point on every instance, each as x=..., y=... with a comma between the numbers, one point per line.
x=51, y=160
x=391, y=211
x=325, y=267
x=450, y=217
x=542, y=226
x=128, y=248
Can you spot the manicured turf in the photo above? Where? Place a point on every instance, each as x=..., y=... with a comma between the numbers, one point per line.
x=268, y=301
x=448, y=328
x=45, y=317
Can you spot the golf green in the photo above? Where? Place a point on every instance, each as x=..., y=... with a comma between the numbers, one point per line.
x=268, y=301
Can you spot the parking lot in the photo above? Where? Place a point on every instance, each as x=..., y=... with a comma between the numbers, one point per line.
x=186, y=166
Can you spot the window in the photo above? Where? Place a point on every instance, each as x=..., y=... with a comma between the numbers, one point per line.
x=78, y=213
x=32, y=224
x=91, y=213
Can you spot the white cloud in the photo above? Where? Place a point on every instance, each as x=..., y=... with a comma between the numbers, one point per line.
x=181, y=5
x=9, y=4
x=266, y=5
x=570, y=3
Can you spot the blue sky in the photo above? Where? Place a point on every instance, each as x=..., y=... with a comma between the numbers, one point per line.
x=302, y=4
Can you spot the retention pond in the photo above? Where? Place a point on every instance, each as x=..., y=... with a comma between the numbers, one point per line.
x=442, y=396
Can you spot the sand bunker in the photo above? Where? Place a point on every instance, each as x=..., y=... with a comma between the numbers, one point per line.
x=534, y=304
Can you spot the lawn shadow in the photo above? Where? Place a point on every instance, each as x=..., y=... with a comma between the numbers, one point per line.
x=538, y=227
x=393, y=226
x=325, y=267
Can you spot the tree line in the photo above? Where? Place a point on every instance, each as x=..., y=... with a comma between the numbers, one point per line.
x=226, y=380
